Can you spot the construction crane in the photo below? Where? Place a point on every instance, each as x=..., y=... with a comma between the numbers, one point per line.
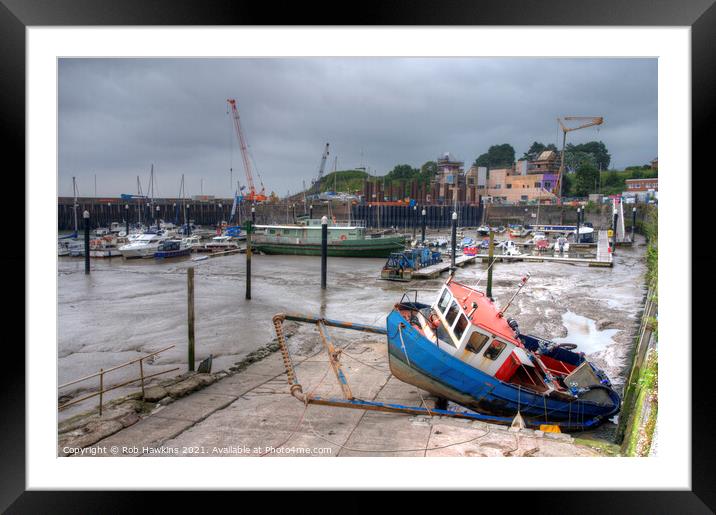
x=252, y=195
x=317, y=183
x=587, y=121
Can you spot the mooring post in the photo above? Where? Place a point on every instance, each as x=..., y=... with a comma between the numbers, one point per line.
x=490, y=254
x=415, y=220
x=324, y=250
x=126, y=214
x=85, y=215
x=453, y=242
x=253, y=215
x=158, y=224
x=577, y=238
x=424, y=213
x=310, y=211
x=249, y=253
x=633, y=223
x=190, y=315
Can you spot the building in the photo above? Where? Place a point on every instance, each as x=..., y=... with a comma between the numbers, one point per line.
x=642, y=189
x=546, y=162
x=506, y=187
x=450, y=179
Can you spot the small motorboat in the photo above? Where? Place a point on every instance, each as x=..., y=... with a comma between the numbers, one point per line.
x=222, y=243
x=561, y=246
x=483, y=230
x=171, y=249
x=143, y=246
x=509, y=248
x=463, y=348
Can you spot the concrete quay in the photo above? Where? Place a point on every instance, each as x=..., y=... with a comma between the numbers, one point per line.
x=251, y=413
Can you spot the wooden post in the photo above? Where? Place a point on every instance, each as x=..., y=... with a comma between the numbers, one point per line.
x=324, y=251
x=86, y=216
x=190, y=316
x=490, y=254
x=249, y=253
x=101, y=388
x=614, y=232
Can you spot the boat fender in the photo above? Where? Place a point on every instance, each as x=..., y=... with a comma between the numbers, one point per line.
x=434, y=321
x=343, y=236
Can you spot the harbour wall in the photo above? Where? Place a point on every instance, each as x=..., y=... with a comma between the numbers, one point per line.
x=103, y=211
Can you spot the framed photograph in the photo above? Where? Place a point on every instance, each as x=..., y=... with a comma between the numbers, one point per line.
x=422, y=236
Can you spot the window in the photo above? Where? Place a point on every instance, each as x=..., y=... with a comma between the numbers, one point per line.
x=452, y=313
x=523, y=197
x=476, y=342
x=508, y=186
x=494, y=350
x=444, y=300
x=547, y=184
x=460, y=326
x=538, y=184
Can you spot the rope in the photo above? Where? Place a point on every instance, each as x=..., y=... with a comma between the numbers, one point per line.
x=402, y=343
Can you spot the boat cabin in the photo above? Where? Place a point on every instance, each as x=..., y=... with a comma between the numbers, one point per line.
x=465, y=323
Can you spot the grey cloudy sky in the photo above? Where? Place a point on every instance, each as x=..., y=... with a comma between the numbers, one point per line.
x=118, y=116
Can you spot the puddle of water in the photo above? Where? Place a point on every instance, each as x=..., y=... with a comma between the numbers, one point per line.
x=583, y=332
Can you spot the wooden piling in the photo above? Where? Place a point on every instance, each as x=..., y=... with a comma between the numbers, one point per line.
x=190, y=316
x=324, y=251
x=249, y=253
x=490, y=254
x=453, y=242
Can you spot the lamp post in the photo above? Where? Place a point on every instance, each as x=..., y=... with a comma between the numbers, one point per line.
x=577, y=238
x=415, y=220
x=86, y=217
x=453, y=243
x=157, y=218
x=424, y=213
x=126, y=211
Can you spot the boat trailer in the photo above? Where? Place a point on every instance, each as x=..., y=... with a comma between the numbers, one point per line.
x=348, y=400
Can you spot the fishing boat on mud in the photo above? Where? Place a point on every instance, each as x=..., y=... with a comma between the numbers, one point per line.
x=463, y=348
x=401, y=265
x=344, y=240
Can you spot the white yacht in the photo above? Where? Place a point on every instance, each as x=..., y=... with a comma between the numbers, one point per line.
x=219, y=243
x=143, y=246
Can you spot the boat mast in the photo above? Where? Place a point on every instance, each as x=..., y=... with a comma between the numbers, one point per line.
x=522, y=284
x=74, y=206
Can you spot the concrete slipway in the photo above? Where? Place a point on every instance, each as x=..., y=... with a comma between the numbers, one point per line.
x=251, y=413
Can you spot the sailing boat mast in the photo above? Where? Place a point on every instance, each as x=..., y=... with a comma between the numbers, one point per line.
x=74, y=206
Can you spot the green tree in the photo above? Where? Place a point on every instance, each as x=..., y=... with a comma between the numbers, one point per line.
x=402, y=172
x=597, y=148
x=586, y=179
x=574, y=159
x=497, y=156
x=428, y=172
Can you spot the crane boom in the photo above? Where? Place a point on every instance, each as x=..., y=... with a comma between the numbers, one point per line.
x=252, y=195
x=323, y=163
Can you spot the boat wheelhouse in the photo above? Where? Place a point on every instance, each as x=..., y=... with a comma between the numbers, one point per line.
x=462, y=348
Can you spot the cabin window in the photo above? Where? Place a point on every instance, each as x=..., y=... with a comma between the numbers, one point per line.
x=452, y=313
x=494, y=350
x=476, y=342
x=444, y=300
x=460, y=326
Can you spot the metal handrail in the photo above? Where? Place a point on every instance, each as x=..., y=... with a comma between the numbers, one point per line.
x=102, y=390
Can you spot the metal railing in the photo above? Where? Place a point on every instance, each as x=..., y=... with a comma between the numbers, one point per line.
x=102, y=372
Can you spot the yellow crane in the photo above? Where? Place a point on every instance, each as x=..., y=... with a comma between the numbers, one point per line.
x=587, y=121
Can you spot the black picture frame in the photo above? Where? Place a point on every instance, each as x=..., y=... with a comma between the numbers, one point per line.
x=700, y=15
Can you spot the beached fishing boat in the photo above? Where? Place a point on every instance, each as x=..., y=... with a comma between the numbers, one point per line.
x=463, y=348
x=401, y=265
x=344, y=240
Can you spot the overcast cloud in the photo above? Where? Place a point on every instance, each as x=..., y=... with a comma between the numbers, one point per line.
x=118, y=116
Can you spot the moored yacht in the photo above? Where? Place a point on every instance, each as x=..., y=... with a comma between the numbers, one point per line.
x=142, y=246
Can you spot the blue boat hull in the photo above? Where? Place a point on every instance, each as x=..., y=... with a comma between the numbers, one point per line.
x=416, y=360
x=163, y=254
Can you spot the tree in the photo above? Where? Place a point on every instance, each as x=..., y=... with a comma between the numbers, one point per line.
x=585, y=180
x=497, y=156
x=536, y=149
x=402, y=172
x=574, y=159
x=428, y=171
x=597, y=148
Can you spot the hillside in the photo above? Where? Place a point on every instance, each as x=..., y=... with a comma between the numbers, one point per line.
x=348, y=181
